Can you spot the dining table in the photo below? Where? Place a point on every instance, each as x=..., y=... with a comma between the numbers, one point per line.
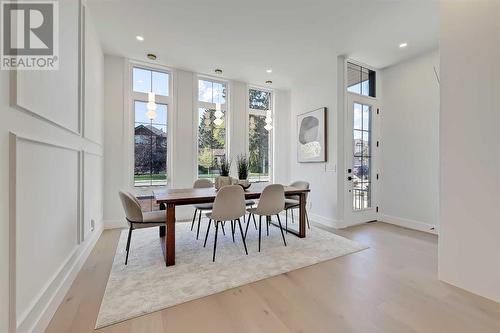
x=169, y=198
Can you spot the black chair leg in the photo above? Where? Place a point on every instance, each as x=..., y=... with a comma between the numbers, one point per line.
x=254, y=222
x=128, y=243
x=293, y=219
x=260, y=227
x=286, y=220
x=248, y=223
x=206, y=236
x=199, y=222
x=215, y=241
x=268, y=219
x=223, y=230
x=194, y=218
x=243, y=237
x=233, y=228
x=307, y=220
x=281, y=228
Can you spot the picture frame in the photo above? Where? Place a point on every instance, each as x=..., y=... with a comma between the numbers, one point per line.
x=311, y=136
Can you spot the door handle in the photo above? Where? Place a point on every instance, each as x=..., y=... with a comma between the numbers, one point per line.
x=349, y=178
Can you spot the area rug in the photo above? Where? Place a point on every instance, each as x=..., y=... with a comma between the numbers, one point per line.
x=146, y=285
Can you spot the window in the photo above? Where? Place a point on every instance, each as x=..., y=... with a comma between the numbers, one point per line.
x=360, y=80
x=150, y=132
x=362, y=157
x=259, y=138
x=212, y=110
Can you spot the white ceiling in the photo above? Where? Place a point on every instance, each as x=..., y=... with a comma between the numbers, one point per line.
x=244, y=38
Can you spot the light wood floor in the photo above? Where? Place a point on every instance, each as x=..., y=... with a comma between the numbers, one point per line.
x=391, y=287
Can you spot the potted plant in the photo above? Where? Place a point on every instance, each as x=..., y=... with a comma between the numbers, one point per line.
x=224, y=167
x=242, y=162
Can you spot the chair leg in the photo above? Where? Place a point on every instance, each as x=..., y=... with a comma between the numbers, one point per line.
x=286, y=220
x=248, y=223
x=199, y=222
x=194, y=218
x=268, y=218
x=206, y=236
x=223, y=230
x=128, y=243
x=243, y=237
x=254, y=222
x=293, y=219
x=215, y=241
x=281, y=228
x=307, y=220
x=233, y=228
x=260, y=227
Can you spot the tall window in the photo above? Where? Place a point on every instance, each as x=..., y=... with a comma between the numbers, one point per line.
x=150, y=128
x=212, y=110
x=360, y=80
x=259, y=138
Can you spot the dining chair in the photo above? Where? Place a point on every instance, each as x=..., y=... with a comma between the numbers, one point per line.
x=138, y=219
x=199, y=208
x=271, y=202
x=229, y=205
x=293, y=201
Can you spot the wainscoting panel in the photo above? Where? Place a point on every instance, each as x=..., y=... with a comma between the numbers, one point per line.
x=51, y=95
x=45, y=226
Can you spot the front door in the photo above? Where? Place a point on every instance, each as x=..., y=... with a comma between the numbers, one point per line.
x=361, y=157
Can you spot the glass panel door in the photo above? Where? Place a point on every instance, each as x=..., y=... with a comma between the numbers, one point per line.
x=361, y=171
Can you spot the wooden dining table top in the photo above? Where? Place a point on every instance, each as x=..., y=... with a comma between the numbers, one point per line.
x=188, y=196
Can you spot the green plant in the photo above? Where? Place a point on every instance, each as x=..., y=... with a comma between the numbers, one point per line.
x=242, y=167
x=224, y=166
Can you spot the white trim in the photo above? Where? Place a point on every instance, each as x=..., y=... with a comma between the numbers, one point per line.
x=114, y=224
x=408, y=223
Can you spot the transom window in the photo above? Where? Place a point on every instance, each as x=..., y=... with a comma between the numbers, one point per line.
x=259, y=138
x=212, y=111
x=360, y=80
x=150, y=126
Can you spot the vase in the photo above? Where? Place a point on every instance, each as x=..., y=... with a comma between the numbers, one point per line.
x=244, y=183
x=223, y=181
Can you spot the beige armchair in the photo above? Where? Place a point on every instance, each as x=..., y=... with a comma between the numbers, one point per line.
x=271, y=202
x=199, y=208
x=137, y=219
x=292, y=202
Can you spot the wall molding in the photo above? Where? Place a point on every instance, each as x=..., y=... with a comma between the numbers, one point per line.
x=36, y=308
x=408, y=223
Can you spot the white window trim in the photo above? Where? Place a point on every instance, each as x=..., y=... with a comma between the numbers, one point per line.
x=129, y=120
x=249, y=112
x=200, y=104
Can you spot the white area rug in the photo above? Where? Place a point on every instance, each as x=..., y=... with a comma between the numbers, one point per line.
x=146, y=285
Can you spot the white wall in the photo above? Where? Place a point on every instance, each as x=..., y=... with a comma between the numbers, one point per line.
x=409, y=139
x=119, y=131
x=50, y=171
x=319, y=90
x=469, y=242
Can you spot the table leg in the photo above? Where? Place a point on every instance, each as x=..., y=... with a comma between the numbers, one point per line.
x=302, y=215
x=163, y=229
x=170, y=239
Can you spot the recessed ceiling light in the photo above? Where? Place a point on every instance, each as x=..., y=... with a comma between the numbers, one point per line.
x=218, y=71
x=151, y=56
x=139, y=38
x=269, y=82
x=403, y=45
x=269, y=70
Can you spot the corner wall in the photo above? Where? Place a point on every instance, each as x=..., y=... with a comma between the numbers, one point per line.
x=50, y=175
x=469, y=242
x=409, y=155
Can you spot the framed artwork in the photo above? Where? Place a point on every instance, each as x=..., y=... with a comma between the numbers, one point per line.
x=311, y=136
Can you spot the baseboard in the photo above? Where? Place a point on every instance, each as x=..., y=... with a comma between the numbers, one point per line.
x=43, y=320
x=315, y=218
x=115, y=224
x=408, y=223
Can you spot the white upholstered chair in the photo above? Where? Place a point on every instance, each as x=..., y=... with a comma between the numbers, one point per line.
x=137, y=219
x=271, y=202
x=293, y=202
x=229, y=205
